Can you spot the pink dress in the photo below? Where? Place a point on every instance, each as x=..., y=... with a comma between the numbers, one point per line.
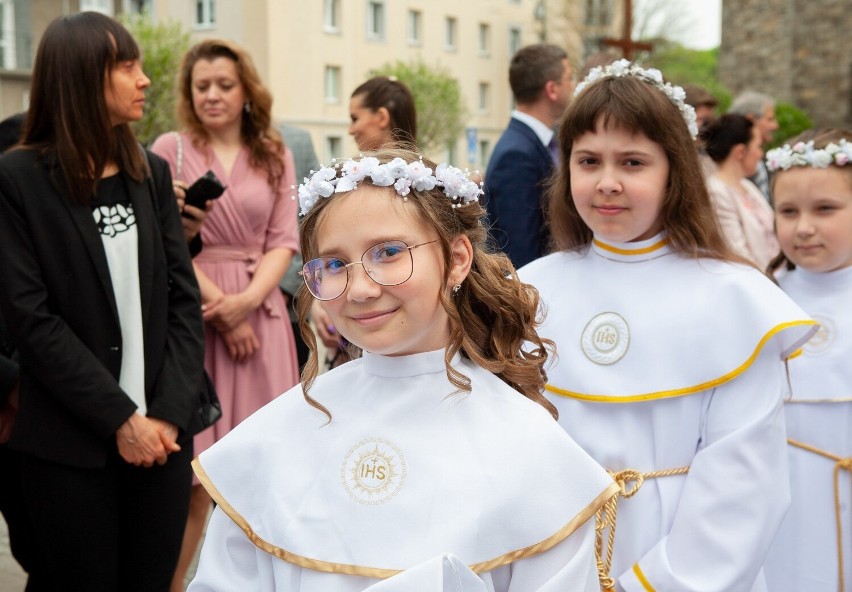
x=248, y=220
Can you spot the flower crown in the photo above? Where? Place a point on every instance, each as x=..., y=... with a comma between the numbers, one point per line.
x=803, y=154
x=404, y=176
x=652, y=76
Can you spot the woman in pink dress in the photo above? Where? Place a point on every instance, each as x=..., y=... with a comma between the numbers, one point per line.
x=249, y=238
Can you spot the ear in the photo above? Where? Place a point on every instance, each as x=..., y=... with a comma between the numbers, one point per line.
x=550, y=90
x=461, y=258
x=738, y=151
x=384, y=117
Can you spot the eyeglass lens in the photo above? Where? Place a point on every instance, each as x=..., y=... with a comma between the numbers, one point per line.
x=388, y=264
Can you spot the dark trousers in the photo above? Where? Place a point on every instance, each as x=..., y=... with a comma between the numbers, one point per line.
x=116, y=528
x=15, y=511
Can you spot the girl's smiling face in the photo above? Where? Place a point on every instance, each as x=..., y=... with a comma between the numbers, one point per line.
x=388, y=320
x=618, y=183
x=813, y=217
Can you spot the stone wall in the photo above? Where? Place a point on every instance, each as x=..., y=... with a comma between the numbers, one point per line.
x=795, y=50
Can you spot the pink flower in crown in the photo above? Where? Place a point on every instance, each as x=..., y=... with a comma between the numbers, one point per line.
x=799, y=147
x=841, y=159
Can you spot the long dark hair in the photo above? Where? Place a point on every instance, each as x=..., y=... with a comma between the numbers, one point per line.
x=68, y=120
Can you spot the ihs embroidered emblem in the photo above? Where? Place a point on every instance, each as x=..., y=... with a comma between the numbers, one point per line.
x=605, y=338
x=373, y=471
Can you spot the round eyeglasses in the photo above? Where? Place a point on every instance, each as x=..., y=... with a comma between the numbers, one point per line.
x=388, y=264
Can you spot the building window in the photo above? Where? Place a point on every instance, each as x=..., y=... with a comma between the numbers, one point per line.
x=138, y=6
x=102, y=6
x=376, y=19
x=415, y=19
x=333, y=148
x=205, y=13
x=484, y=152
x=484, y=96
x=332, y=84
x=451, y=153
x=450, y=33
x=7, y=35
x=484, y=39
x=332, y=16
x=514, y=40
x=598, y=13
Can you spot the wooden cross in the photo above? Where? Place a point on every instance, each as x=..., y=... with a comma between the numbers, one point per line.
x=626, y=43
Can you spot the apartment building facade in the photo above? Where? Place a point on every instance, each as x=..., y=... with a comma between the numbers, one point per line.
x=313, y=53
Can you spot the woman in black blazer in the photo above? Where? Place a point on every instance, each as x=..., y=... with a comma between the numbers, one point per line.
x=99, y=294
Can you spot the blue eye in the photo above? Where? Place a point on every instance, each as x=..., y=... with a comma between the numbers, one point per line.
x=334, y=265
x=388, y=252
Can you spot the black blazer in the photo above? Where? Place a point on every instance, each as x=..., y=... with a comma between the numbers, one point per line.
x=8, y=364
x=58, y=301
x=514, y=190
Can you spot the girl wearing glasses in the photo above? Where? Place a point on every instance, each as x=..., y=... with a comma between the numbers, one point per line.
x=432, y=462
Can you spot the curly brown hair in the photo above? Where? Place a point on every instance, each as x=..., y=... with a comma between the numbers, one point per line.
x=265, y=144
x=493, y=317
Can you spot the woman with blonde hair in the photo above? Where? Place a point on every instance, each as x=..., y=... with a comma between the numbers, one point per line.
x=249, y=238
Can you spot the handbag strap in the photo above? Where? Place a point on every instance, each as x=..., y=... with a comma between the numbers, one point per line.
x=179, y=161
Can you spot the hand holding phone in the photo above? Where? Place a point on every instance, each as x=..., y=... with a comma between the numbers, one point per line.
x=205, y=187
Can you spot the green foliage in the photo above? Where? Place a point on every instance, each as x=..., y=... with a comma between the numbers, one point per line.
x=162, y=46
x=791, y=122
x=441, y=111
x=681, y=65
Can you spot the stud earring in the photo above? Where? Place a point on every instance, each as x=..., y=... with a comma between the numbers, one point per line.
x=247, y=106
x=456, y=289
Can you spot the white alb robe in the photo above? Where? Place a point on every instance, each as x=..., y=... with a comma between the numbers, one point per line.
x=665, y=362
x=819, y=414
x=409, y=488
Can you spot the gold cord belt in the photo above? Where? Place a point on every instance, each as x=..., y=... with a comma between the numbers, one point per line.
x=840, y=464
x=605, y=517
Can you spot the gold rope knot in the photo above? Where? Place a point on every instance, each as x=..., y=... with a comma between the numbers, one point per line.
x=605, y=517
x=622, y=478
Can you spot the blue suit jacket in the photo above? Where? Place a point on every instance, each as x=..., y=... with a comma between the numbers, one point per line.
x=514, y=181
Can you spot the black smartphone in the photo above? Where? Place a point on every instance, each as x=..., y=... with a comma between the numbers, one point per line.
x=205, y=187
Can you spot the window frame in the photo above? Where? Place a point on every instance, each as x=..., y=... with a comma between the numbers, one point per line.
x=377, y=28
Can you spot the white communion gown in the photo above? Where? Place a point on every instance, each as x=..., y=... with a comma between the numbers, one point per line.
x=804, y=555
x=411, y=487
x=668, y=364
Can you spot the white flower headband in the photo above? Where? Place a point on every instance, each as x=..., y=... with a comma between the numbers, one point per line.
x=652, y=76
x=803, y=154
x=404, y=176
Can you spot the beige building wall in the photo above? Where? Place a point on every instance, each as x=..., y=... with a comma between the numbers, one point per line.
x=293, y=47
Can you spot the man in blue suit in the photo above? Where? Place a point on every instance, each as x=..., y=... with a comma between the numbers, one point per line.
x=523, y=159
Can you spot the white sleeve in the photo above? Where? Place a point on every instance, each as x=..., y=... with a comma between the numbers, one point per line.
x=735, y=496
x=229, y=561
x=568, y=567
